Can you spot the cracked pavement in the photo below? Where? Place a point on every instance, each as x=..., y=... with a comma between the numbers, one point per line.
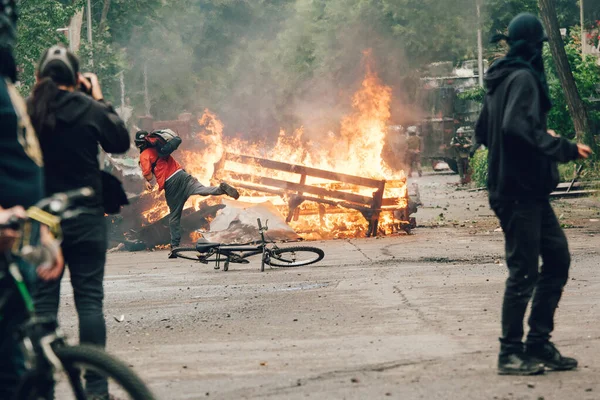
x=404, y=317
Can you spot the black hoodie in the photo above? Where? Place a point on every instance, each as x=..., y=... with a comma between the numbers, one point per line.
x=71, y=149
x=513, y=126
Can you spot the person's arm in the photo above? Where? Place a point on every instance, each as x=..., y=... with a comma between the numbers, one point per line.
x=9, y=236
x=146, y=166
x=53, y=269
x=112, y=133
x=522, y=121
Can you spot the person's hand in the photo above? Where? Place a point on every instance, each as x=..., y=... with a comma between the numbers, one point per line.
x=552, y=133
x=584, y=150
x=9, y=236
x=53, y=268
x=149, y=186
x=90, y=81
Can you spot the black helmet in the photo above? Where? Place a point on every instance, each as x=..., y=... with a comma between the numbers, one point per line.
x=59, y=54
x=140, y=138
x=526, y=27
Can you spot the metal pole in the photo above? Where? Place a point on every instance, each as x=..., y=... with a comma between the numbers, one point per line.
x=122, y=83
x=479, y=44
x=89, y=30
x=146, y=92
x=582, y=16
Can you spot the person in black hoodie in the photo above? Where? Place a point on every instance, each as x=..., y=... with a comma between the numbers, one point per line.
x=21, y=183
x=522, y=166
x=70, y=124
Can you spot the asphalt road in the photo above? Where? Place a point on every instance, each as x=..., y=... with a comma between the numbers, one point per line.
x=404, y=317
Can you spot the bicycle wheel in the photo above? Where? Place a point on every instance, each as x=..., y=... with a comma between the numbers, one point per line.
x=189, y=253
x=294, y=256
x=82, y=363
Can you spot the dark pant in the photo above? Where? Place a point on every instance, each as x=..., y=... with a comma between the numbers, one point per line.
x=463, y=169
x=85, y=261
x=12, y=362
x=414, y=161
x=178, y=190
x=531, y=230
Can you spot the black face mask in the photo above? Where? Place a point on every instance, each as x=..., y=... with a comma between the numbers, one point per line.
x=526, y=40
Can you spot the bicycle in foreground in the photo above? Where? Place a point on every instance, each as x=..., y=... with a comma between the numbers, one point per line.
x=272, y=255
x=55, y=369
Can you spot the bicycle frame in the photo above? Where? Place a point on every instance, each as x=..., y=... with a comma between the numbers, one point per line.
x=232, y=250
x=37, y=335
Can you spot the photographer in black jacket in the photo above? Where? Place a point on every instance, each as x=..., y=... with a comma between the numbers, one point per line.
x=70, y=124
x=522, y=174
x=21, y=186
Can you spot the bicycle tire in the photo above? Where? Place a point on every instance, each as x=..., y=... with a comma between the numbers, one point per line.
x=184, y=252
x=282, y=262
x=73, y=357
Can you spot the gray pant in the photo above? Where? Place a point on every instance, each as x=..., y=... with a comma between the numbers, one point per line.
x=177, y=191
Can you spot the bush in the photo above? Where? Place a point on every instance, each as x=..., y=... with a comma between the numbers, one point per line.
x=590, y=171
x=479, y=168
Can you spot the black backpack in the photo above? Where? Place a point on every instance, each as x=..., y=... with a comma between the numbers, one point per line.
x=165, y=141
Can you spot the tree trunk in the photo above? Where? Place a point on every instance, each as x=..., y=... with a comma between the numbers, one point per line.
x=104, y=15
x=576, y=106
x=75, y=30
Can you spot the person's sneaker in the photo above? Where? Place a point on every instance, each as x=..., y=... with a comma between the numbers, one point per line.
x=171, y=255
x=229, y=190
x=547, y=354
x=518, y=364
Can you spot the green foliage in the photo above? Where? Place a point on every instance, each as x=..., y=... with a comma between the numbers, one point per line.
x=501, y=12
x=476, y=94
x=479, y=166
x=37, y=31
x=104, y=60
x=587, y=78
x=590, y=171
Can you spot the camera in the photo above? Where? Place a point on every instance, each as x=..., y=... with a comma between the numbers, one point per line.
x=86, y=89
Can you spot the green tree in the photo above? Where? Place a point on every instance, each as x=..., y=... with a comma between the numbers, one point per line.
x=36, y=34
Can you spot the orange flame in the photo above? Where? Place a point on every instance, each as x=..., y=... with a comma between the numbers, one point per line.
x=355, y=150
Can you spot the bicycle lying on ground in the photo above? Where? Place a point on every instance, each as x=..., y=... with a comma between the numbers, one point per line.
x=54, y=368
x=272, y=255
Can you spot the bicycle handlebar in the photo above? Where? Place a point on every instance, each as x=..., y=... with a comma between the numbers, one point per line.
x=55, y=205
x=259, y=224
x=59, y=202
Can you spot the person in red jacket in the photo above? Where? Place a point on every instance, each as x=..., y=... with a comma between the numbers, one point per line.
x=177, y=184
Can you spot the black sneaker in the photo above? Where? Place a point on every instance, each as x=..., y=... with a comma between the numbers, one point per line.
x=547, y=354
x=518, y=364
x=229, y=190
x=171, y=255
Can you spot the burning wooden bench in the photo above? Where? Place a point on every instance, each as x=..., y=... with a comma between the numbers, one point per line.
x=297, y=184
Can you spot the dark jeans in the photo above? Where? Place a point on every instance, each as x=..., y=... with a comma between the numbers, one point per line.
x=85, y=261
x=531, y=230
x=12, y=363
x=463, y=169
x=178, y=190
x=414, y=162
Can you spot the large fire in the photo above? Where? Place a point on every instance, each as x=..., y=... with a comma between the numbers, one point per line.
x=355, y=150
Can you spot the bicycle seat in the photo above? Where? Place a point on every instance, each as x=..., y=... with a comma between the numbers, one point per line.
x=203, y=245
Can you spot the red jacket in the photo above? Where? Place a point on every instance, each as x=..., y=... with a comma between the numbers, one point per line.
x=165, y=166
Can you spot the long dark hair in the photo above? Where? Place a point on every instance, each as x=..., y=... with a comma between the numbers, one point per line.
x=51, y=74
